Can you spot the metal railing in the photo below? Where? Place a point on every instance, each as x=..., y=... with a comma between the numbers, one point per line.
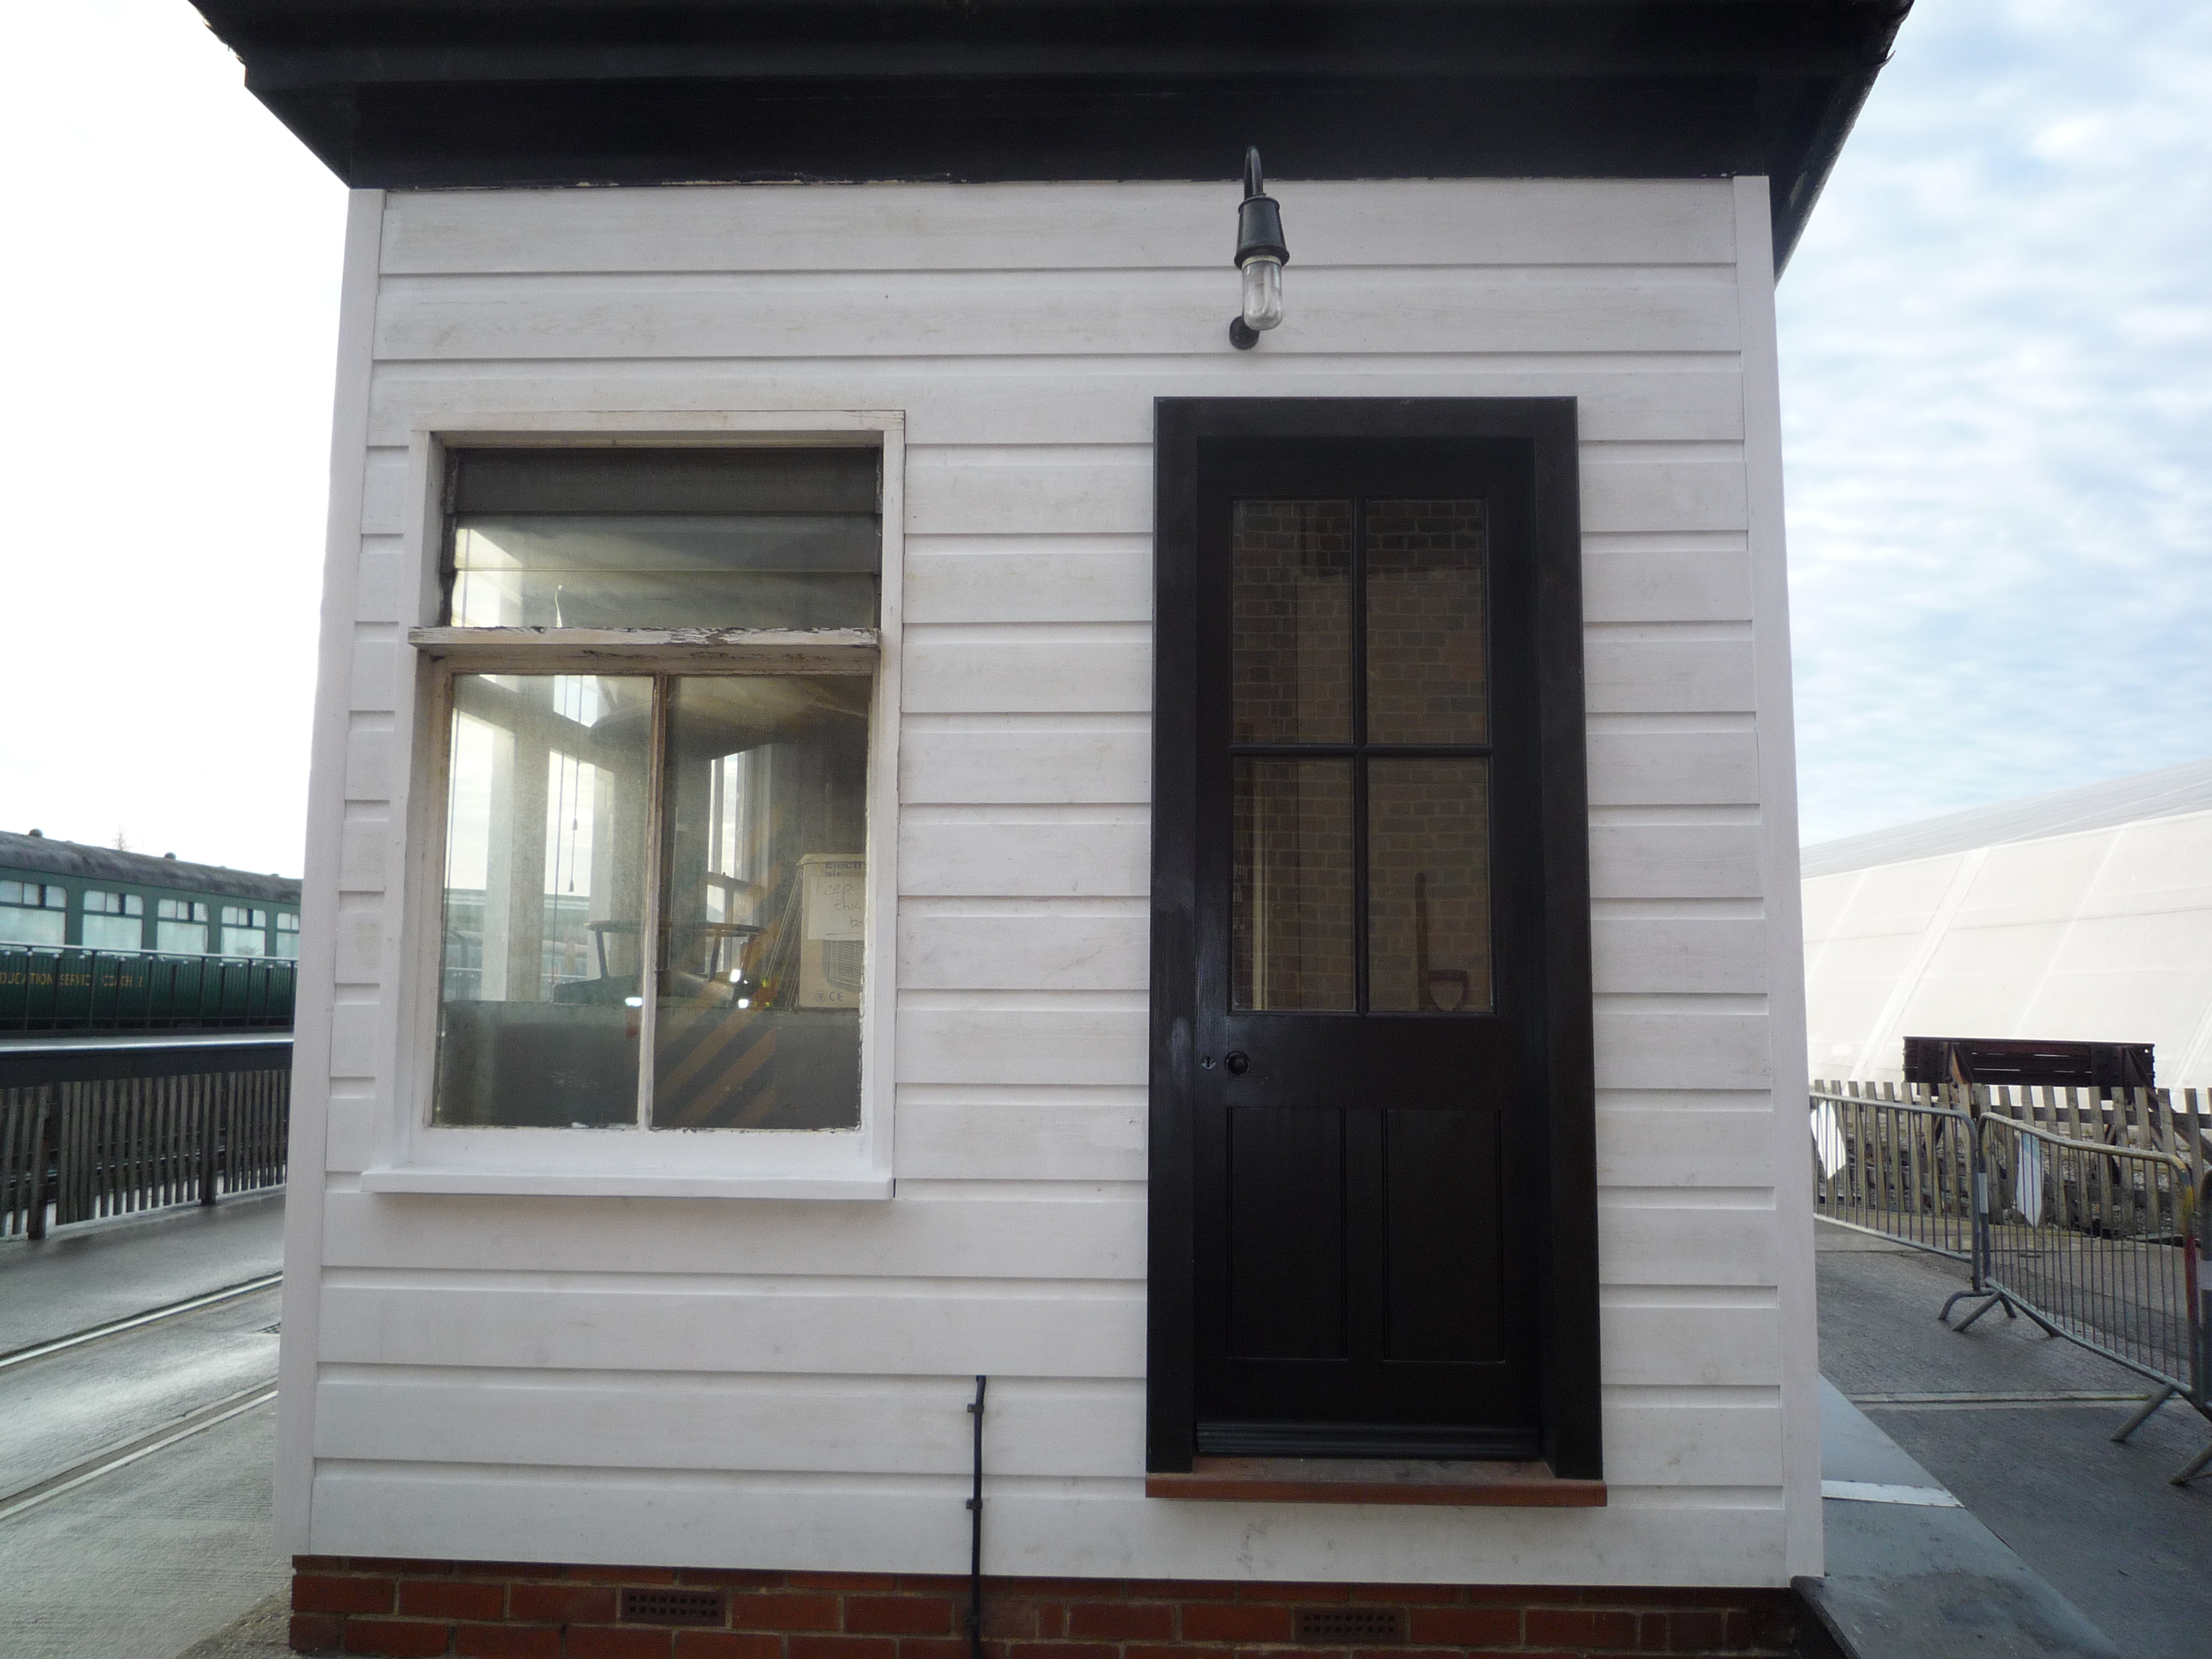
x=82, y=1151
x=2085, y=1213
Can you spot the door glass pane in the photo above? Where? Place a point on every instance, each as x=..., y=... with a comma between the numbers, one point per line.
x=1426, y=656
x=758, y=1023
x=1291, y=659
x=1291, y=902
x=1428, y=892
x=545, y=843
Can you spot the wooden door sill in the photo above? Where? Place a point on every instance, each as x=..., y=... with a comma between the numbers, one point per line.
x=1376, y=1480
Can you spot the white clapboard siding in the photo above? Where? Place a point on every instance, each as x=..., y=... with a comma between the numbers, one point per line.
x=731, y=1325
x=1730, y=1535
x=1675, y=861
x=1070, y=579
x=1056, y=227
x=1035, y=950
x=1663, y=585
x=1027, y=760
x=690, y=1421
x=1674, y=768
x=1084, y=1238
x=1650, y=1141
x=1106, y=668
x=1685, y=396
x=998, y=1134
x=1666, y=1438
x=1685, y=1242
x=1673, y=954
x=1625, y=675
x=1034, y=856
x=1692, y=1337
x=980, y=313
x=1637, y=1049
x=1022, y=1046
x=784, y=1383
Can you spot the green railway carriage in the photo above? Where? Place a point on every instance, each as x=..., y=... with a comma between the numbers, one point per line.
x=94, y=939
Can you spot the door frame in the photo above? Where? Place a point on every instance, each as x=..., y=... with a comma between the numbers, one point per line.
x=1565, y=1249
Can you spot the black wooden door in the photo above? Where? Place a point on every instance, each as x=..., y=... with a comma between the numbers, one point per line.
x=1366, y=1100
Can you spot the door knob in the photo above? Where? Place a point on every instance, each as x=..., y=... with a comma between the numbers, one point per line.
x=1237, y=1061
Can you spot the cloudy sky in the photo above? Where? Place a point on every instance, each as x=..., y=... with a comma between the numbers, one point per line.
x=1997, y=381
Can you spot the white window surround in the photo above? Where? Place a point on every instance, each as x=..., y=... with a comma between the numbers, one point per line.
x=415, y=1156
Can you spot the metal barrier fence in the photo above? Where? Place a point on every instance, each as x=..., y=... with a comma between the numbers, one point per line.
x=2084, y=1213
x=82, y=1151
x=1902, y=1168
x=50, y=988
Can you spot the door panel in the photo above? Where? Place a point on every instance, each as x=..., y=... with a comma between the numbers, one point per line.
x=1286, y=1235
x=1445, y=1256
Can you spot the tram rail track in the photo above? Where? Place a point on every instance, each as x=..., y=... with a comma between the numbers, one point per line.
x=24, y=1356
x=123, y=1453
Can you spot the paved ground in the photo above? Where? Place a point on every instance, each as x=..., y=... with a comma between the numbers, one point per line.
x=152, y=1555
x=111, y=1270
x=2097, y=1520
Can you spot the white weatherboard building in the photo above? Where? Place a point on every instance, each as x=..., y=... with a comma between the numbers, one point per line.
x=2082, y=915
x=891, y=807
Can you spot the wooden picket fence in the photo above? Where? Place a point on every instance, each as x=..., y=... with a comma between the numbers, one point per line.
x=84, y=1151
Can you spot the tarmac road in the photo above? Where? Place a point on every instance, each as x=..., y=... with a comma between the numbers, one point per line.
x=135, y=1469
x=2097, y=1520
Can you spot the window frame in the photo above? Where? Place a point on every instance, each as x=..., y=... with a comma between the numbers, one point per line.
x=415, y=1155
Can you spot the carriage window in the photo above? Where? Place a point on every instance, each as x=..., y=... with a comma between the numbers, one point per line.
x=287, y=934
x=180, y=925
x=653, y=877
x=32, y=912
x=113, y=921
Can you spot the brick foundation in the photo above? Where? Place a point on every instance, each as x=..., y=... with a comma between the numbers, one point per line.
x=509, y=1610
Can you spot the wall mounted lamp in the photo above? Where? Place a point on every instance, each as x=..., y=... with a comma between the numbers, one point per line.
x=1261, y=256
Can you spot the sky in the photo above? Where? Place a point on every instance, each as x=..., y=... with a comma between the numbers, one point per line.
x=1997, y=360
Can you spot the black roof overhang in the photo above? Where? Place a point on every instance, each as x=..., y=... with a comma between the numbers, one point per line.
x=427, y=93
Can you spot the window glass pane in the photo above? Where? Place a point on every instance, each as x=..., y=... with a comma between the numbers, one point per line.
x=544, y=900
x=693, y=538
x=1292, y=601
x=758, y=1021
x=21, y=927
x=1290, y=897
x=244, y=942
x=288, y=945
x=1426, y=646
x=181, y=937
x=114, y=933
x=1428, y=892
x=99, y=903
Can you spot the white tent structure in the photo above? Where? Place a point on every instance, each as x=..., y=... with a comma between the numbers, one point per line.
x=2085, y=914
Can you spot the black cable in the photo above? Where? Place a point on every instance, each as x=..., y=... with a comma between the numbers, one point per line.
x=976, y=1532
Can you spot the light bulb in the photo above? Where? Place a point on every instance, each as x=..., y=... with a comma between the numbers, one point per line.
x=1263, y=292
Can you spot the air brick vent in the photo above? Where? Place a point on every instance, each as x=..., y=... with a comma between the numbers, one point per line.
x=1345, y=1626
x=671, y=1606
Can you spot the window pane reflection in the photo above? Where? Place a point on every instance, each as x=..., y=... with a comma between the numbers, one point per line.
x=544, y=900
x=1425, y=644
x=1292, y=601
x=758, y=1019
x=1428, y=894
x=1290, y=895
